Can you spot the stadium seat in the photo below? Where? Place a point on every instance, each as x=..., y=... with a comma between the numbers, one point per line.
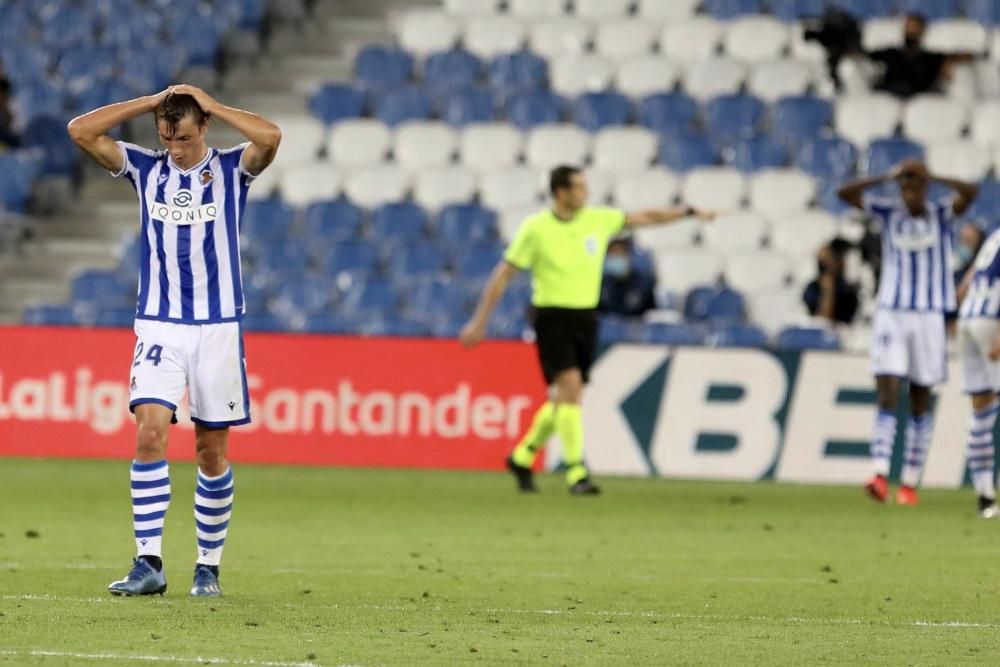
x=309, y=182
x=645, y=75
x=714, y=188
x=730, y=118
x=800, y=118
x=400, y=222
x=476, y=262
x=933, y=10
x=861, y=118
x=118, y=318
x=961, y=159
x=735, y=231
x=518, y=186
x=518, y=72
x=461, y=225
x=58, y=153
x=490, y=36
x=333, y=323
x=756, y=153
x=334, y=102
x=384, y=67
x=595, y=111
x=726, y=10
x=573, y=75
x=410, y=262
x=667, y=333
x=777, y=79
x=302, y=137
x=530, y=109
x=985, y=12
x=883, y=154
x=613, y=330
x=739, y=335
x=475, y=104
x=512, y=216
x=426, y=31
x=928, y=118
x=715, y=304
x=797, y=339
x=775, y=192
x=371, y=298
x=421, y=144
x=776, y=309
x=712, y=78
x=754, y=39
x=649, y=188
x=682, y=270
x=955, y=36
x=398, y=105
x=102, y=289
x=865, y=9
x=333, y=221
x=15, y=186
x=691, y=41
x=352, y=258
x=985, y=130
x=680, y=235
x=883, y=32
x=800, y=235
x=452, y=69
x=986, y=206
x=623, y=149
x=434, y=188
x=552, y=38
x=674, y=10
x=682, y=154
x=490, y=146
x=601, y=10
x=472, y=7
x=625, y=38
x=600, y=185
x=281, y=257
x=265, y=221
x=50, y=315
x=358, y=143
x=303, y=297
x=759, y=271
x=555, y=144
x=791, y=11
x=672, y=114
x=536, y=9
x=373, y=186
x=831, y=158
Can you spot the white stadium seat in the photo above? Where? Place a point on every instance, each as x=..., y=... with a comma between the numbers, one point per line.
x=600, y=185
x=490, y=146
x=801, y=234
x=985, y=130
x=649, y=188
x=375, y=186
x=574, y=75
x=624, y=39
x=986, y=76
x=776, y=192
x=553, y=144
x=419, y=144
x=737, y=231
x=624, y=148
x=511, y=218
x=301, y=138
x=536, y=9
x=519, y=186
x=928, y=118
x=882, y=33
x=306, y=183
x=714, y=188
x=757, y=272
x=358, y=142
x=646, y=75
x=955, y=36
x=773, y=80
x=861, y=118
x=958, y=158
x=680, y=271
x=491, y=36
x=437, y=188
x=266, y=182
x=472, y=7
x=426, y=31
x=776, y=309
x=755, y=39
x=673, y=10
x=563, y=36
x=601, y=10
x=711, y=78
x=679, y=235
x=808, y=51
x=691, y=41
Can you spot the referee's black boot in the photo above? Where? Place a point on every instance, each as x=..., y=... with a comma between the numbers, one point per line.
x=585, y=488
x=525, y=478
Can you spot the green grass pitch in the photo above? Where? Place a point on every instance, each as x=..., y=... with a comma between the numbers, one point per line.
x=380, y=567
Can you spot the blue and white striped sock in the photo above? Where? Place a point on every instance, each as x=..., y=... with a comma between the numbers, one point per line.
x=918, y=441
x=981, y=449
x=213, y=505
x=883, y=439
x=150, y=500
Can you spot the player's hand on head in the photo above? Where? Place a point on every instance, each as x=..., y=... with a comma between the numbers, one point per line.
x=472, y=334
x=204, y=100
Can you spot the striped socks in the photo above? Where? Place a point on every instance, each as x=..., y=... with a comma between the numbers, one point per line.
x=150, y=500
x=883, y=439
x=980, y=451
x=918, y=441
x=213, y=505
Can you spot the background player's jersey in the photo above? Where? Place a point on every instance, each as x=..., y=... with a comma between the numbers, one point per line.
x=189, y=270
x=983, y=297
x=916, y=256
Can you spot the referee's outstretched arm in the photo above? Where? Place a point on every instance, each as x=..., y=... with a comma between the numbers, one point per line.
x=662, y=216
x=474, y=332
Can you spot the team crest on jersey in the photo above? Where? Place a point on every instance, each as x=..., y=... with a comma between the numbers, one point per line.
x=205, y=177
x=591, y=245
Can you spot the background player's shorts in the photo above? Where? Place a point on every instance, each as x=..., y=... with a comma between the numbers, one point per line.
x=975, y=338
x=910, y=345
x=205, y=359
x=566, y=338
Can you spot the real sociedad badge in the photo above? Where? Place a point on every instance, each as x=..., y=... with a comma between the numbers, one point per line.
x=205, y=176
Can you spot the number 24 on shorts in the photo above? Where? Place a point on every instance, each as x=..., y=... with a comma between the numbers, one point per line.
x=152, y=355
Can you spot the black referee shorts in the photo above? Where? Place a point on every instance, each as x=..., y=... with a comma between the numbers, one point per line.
x=566, y=338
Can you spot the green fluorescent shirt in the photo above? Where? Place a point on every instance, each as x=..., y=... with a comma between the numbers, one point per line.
x=565, y=257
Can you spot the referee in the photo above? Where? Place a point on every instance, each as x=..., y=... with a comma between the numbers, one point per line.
x=564, y=250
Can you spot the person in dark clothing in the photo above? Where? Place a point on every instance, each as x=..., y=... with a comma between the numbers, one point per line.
x=629, y=283
x=910, y=70
x=839, y=34
x=7, y=135
x=830, y=296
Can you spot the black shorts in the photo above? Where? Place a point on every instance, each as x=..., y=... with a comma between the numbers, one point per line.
x=566, y=338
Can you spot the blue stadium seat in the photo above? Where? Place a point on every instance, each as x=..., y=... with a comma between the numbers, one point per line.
x=283, y=257
x=668, y=333
x=373, y=297
x=933, y=10
x=436, y=299
x=465, y=224
x=986, y=206
x=507, y=328
x=382, y=66
x=595, y=111
x=760, y=152
x=39, y=99
x=66, y=26
x=258, y=290
x=118, y=318
x=447, y=327
x=729, y=118
x=613, y=330
x=396, y=327
x=883, y=154
x=452, y=69
x=686, y=153
x=718, y=305
x=358, y=258
x=333, y=323
x=865, y=9
x=526, y=110
x=478, y=261
x=410, y=262
x=828, y=200
x=102, y=94
x=101, y=288
x=399, y=105
x=796, y=10
x=267, y=220
x=198, y=39
x=54, y=315
x=794, y=339
x=476, y=104
x=730, y=9
x=262, y=321
x=399, y=222
x=148, y=73
x=15, y=186
x=828, y=158
x=84, y=68
x=49, y=134
x=986, y=12
x=518, y=72
x=799, y=118
x=739, y=335
x=336, y=101
x=307, y=296
x=337, y=220
x=669, y=113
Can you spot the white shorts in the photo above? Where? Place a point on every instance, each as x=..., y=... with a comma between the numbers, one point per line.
x=205, y=359
x=975, y=338
x=910, y=345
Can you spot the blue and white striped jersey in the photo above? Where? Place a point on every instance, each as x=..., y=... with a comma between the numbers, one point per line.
x=916, y=256
x=983, y=297
x=190, y=220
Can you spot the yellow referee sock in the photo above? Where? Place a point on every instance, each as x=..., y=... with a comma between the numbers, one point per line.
x=569, y=426
x=541, y=430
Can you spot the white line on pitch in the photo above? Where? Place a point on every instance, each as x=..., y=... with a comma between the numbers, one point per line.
x=39, y=653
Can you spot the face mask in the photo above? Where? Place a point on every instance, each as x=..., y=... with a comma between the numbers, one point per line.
x=616, y=266
x=963, y=255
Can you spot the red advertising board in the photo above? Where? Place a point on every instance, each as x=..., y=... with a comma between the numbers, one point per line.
x=314, y=399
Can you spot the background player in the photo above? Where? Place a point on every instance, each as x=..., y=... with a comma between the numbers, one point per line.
x=563, y=247
x=916, y=288
x=190, y=303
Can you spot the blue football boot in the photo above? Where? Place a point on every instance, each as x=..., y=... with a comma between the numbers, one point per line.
x=142, y=579
x=206, y=582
